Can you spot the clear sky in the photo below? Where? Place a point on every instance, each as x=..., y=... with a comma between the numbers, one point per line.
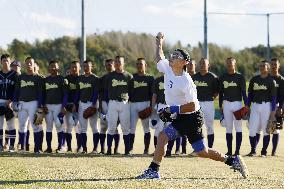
x=178, y=19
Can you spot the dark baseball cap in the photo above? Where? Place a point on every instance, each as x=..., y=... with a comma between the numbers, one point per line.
x=16, y=63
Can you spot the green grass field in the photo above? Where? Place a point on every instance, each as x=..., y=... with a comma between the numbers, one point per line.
x=90, y=171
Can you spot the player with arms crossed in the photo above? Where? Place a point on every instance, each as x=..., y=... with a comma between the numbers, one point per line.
x=181, y=98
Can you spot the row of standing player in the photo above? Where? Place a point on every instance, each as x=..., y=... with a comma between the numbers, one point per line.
x=118, y=87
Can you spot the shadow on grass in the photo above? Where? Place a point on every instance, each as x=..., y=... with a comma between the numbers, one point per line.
x=77, y=155
x=16, y=182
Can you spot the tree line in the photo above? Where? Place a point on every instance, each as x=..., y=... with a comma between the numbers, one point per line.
x=132, y=46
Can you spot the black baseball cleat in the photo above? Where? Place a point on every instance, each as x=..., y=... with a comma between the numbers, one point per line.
x=48, y=150
x=108, y=152
x=251, y=154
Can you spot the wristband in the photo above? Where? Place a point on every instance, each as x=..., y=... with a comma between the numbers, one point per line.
x=175, y=109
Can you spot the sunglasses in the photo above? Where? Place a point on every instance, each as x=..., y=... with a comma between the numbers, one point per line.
x=176, y=56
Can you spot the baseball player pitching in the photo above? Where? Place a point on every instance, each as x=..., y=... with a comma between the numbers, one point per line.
x=29, y=95
x=87, y=95
x=232, y=91
x=103, y=109
x=140, y=97
x=262, y=96
x=8, y=79
x=207, y=90
x=184, y=112
x=118, y=107
x=55, y=90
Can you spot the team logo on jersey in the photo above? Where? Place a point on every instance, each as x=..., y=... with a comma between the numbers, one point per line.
x=72, y=86
x=26, y=83
x=276, y=85
x=257, y=87
x=6, y=81
x=84, y=85
x=139, y=84
x=118, y=83
x=229, y=84
x=171, y=84
x=200, y=83
x=161, y=86
x=51, y=86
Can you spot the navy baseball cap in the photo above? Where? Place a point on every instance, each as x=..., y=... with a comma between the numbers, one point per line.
x=16, y=63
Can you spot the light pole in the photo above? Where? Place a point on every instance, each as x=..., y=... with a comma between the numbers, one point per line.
x=205, y=44
x=83, y=35
x=255, y=14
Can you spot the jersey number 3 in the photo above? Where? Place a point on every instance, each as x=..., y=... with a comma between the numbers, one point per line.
x=171, y=84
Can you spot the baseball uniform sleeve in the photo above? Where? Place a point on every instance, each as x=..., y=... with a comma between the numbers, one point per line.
x=163, y=65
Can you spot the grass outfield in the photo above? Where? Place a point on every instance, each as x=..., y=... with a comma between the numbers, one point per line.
x=89, y=171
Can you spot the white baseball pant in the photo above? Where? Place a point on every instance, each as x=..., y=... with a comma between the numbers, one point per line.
x=230, y=120
x=135, y=108
x=26, y=113
x=208, y=109
x=84, y=122
x=104, y=123
x=259, y=117
x=51, y=116
x=10, y=123
x=121, y=110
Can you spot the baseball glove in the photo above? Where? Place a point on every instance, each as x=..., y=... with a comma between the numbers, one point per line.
x=271, y=126
x=241, y=113
x=38, y=117
x=164, y=115
x=143, y=114
x=9, y=114
x=279, y=119
x=90, y=111
x=2, y=110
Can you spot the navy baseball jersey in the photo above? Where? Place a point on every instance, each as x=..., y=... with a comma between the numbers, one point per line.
x=231, y=86
x=55, y=88
x=141, y=88
x=29, y=87
x=207, y=85
x=86, y=87
x=118, y=86
x=279, y=86
x=72, y=83
x=158, y=89
x=262, y=89
x=103, y=87
x=7, y=84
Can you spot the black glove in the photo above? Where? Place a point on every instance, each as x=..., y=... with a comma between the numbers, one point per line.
x=165, y=115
